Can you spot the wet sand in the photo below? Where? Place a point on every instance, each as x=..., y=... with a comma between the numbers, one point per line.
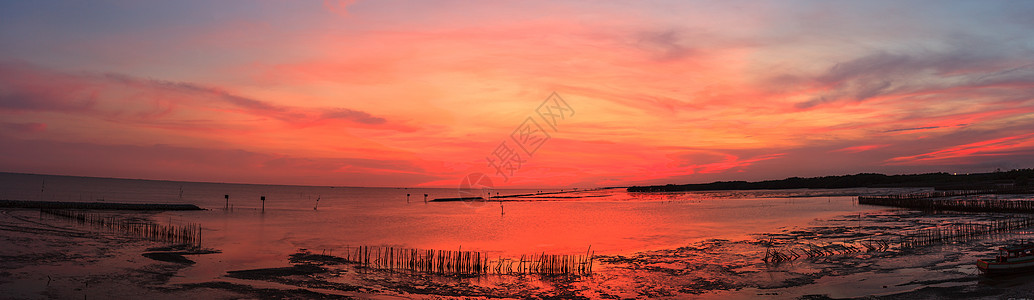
x=930, y=272
x=46, y=258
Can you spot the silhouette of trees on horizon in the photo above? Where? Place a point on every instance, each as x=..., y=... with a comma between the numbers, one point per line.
x=941, y=180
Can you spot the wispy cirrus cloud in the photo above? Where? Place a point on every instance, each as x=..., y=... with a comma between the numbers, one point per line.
x=217, y=164
x=862, y=148
x=995, y=147
x=31, y=127
x=712, y=161
x=30, y=88
x=969, y=64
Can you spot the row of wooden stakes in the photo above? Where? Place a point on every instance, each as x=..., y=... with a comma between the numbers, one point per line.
x=459, y=262
x=962, y=232
x=932, y=194
x=189, y=234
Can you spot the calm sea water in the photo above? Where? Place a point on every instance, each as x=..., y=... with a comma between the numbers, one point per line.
x=609, y=221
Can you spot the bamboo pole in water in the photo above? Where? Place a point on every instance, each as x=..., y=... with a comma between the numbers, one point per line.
x=184, y=234
x=459, y=262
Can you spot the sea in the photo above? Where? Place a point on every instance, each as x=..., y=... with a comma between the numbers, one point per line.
x=252, y=233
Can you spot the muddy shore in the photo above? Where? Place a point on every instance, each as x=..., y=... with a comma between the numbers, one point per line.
x=49, y=259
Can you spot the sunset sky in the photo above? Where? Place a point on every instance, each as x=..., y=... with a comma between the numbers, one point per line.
x=420, y=93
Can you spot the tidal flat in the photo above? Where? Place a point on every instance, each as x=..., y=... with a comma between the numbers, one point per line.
x=76, y=262
x=703, y=245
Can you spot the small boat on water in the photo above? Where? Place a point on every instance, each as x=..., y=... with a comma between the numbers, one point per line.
x=1010, y=259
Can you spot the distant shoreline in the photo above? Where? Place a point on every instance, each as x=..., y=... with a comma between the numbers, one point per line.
x=945, y=181
x=95, y=205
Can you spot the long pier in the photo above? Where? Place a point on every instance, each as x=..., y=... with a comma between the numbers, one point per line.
x=952, y=193
x=905, y=240
x=970, y=205
x=935, y=201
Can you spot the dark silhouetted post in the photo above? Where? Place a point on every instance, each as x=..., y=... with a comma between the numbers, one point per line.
x=227, y=202
x=425, y=198
x=407, y=198
x=263, y=203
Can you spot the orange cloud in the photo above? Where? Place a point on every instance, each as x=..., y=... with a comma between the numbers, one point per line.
x=856, y=149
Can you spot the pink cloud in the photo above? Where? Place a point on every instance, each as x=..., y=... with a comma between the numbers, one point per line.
x=705, y=162
x=141, y=100
x=994, y=147
x=24, y=127
x=339, y=7
x=207, y=164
